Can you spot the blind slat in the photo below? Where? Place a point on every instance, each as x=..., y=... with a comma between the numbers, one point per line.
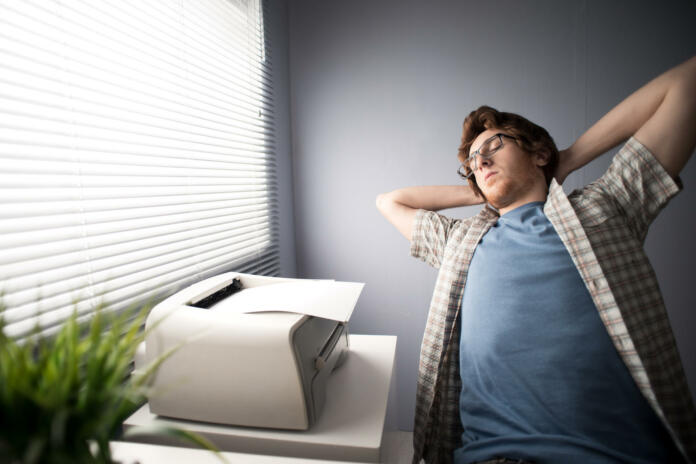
x=49, y=269
x=257, y=263
x=112, y=272
x=77, y=149
x=57, y=208
x=22, y=102
x=88, y=40
x=71, y=238
x=144, y=292
x=36, y=152
x=85, y=195
x=71, y=264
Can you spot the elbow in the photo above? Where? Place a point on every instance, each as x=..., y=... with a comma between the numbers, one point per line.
x=385, y=202
x=380, y=200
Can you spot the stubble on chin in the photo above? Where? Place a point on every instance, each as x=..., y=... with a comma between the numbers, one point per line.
x=503, y=190
x=499, y=194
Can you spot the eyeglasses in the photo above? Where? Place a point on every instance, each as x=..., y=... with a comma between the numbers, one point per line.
x=486, y=151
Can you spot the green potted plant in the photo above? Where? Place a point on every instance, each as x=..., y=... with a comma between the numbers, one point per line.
x=64, y=397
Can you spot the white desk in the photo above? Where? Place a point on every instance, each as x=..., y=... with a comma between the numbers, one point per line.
x=351, y=427
x=130, y=453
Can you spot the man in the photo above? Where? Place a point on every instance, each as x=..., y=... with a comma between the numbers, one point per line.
x=547, y=340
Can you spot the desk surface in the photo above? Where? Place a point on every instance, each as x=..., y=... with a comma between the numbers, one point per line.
x=351, y=427
x=129, y=453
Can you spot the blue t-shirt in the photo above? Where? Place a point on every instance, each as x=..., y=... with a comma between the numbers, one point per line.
x=541, y=379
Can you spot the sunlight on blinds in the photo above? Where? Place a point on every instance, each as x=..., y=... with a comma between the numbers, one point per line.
x=136, y=152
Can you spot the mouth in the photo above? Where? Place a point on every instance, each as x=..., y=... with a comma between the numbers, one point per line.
x=492, y=173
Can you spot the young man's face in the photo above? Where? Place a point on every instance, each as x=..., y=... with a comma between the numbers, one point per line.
x=511, y=177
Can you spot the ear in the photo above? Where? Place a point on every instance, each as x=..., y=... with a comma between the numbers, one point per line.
x=541, y=159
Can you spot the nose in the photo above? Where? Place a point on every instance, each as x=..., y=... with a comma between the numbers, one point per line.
x=484, y=161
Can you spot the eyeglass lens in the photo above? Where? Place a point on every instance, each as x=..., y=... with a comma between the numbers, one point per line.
x=488, y=148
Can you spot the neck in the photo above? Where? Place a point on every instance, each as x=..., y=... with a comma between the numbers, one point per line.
x=535, y=195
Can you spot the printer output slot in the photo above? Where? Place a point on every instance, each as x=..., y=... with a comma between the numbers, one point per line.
x=216, y=297
x=326, y=351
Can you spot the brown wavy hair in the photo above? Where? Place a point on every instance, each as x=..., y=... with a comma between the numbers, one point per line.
x=530, y=137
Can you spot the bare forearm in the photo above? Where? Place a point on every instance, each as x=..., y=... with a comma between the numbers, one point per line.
x=628, y=116
x=400, y=206
x=434, y=197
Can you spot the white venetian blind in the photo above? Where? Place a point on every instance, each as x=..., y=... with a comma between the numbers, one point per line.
x=136, y=152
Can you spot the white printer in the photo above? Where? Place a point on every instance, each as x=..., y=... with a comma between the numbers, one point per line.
x=248, y=350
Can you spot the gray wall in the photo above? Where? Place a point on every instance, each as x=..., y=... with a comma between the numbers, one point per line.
x=379, y=90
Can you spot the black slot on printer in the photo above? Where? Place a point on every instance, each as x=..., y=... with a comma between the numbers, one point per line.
x=218, y=296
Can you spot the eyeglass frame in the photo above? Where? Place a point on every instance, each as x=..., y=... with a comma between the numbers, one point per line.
x=478, y=153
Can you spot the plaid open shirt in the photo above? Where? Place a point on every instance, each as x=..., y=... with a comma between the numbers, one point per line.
x=603, y=227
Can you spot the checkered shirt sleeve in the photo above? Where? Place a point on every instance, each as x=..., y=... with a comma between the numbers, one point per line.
x=638, y=186
x=429, y=236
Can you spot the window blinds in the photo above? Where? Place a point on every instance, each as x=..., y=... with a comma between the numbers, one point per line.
x=136, y=152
